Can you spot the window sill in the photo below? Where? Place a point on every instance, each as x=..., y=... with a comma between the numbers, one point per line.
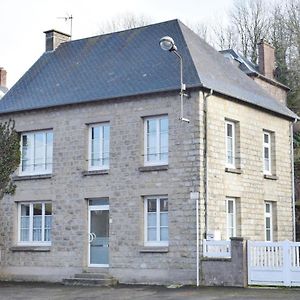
x=153, y=168
x=30, y=249
x=234, y=171
x=270, y=177
x=95, y=172
x=203, y=258
x=31, y=177
x=154, y=249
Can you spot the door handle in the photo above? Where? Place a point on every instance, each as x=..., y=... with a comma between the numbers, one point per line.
x=90, y=237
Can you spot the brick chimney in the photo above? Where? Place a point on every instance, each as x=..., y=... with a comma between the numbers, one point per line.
x=2, y=77
x=54, y=38
x=266, y=59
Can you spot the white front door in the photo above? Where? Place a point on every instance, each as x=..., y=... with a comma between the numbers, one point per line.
x=98, y=233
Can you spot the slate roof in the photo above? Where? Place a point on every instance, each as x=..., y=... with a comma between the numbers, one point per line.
x=131, y=63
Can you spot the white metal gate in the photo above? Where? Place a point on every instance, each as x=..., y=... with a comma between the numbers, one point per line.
x=275, y=263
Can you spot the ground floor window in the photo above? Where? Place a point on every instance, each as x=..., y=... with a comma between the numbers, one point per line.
x=156, y=221
x=231, y=217
x=35, y=222
x=268, y=222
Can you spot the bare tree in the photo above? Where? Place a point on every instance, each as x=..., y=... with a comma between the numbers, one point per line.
x=225, y=37
x=124, y=21
x=250, y=20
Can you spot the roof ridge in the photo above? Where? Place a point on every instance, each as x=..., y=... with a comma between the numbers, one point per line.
x=120, y=31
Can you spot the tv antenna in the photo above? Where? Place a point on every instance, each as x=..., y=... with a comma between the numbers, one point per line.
x=68, y=18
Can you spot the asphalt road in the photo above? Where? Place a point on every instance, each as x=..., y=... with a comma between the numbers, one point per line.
x=41, y=291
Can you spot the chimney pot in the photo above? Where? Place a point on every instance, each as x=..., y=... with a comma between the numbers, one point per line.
x=2, y=77
x=266, y=59
x=54, y=38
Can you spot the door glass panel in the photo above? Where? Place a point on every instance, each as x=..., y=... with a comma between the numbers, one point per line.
x=99, y=244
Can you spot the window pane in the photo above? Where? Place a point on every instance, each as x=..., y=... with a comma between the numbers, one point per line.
x=164, y=125
x=164, y=219
x=268, y=235
x=229, y=130
x=268, y=207
x=230, y=206
x=48, y=225
x=95, y=155
x=163, y=204
x=268, y=223
x=151, y=126
x=37, y=228
x=49, y=150
x=151, y=205
x=27, y=163
x=164, y=234
x=151, y=219
x=39, y=151
x=105, y=155
x=267, y=165
x=266, y=152
x=151, y=234
x=266, y=138
x=24, y=223
x=48, y=209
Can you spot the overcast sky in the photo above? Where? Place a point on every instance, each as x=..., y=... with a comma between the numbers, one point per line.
x=22, y=22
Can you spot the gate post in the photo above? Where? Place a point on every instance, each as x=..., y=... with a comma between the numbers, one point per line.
x=286, y=263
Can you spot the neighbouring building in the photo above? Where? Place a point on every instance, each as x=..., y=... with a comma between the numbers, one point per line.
x=110, y=177
x=3, y=88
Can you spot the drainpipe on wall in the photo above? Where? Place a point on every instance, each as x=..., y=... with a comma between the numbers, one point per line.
x=206, y=160
x=293, y=182
x=206, y=189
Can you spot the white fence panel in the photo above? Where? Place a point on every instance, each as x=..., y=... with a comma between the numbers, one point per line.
x=275, y=263
x=216, y=249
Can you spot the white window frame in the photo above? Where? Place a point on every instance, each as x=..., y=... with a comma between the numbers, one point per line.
x=157, y=162
x=30, y=135
x=269, y=215
x=228, y=215
x=31, y=242
x=102, y=166
x=233, y=124
x=269, y=147
x=158, y=242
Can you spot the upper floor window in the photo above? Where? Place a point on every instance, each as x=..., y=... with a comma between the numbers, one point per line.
x=35, y=222
x=268, y=221
x=230, y=144
x=36, y=152
x=99, y=135
x=267, y=153
x=156, y=221
x=156, y=140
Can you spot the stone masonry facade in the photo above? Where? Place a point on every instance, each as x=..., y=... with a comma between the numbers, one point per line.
x=248, y=186
x=126, y=184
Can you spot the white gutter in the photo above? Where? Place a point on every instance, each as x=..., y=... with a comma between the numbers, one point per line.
x=206, y=161
x=197, y=234
x=293, y=182
x=206, y=191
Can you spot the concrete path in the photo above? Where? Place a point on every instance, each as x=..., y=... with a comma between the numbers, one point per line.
x=41, y=291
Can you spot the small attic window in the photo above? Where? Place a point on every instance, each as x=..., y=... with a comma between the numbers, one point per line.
x=228, y=56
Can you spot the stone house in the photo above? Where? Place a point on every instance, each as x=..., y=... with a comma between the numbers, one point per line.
x=110, y=179
x=3, y=88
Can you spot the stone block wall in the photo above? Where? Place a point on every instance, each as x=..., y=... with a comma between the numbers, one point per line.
x=226, y=271
x=250, y=188
x=125, y=186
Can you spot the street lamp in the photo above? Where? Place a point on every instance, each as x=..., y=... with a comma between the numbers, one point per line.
x=167, y=43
